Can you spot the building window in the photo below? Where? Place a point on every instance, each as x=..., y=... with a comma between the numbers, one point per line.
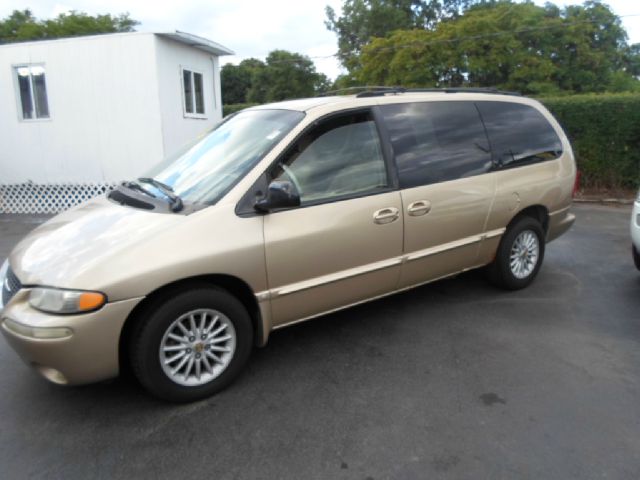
x=32, y=90
x=193, y=93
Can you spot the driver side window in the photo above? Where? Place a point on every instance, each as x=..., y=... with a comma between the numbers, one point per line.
x=340, y=157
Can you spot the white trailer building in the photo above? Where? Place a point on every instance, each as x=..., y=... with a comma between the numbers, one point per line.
x=78, y=115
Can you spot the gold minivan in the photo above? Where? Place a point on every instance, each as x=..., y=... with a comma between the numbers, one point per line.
x=282, y=213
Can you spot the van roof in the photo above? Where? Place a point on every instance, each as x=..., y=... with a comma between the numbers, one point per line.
x=306, y=104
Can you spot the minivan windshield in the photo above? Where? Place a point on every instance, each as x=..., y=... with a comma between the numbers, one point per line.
x=205, y=170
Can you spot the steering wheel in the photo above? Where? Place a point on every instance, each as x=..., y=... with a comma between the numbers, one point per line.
x=293, y=177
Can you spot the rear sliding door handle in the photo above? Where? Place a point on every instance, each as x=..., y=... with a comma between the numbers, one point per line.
x=386, y=215
x=419, y=208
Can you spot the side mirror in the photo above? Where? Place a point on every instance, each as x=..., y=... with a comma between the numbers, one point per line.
x=280, y=194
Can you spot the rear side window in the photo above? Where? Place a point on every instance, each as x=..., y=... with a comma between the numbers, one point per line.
x=519, y=134
x=436, y=141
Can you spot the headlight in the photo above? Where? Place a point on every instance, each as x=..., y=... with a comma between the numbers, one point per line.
x=53, y=300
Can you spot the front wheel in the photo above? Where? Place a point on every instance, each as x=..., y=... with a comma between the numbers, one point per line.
x=192, y=345
x=519, y=255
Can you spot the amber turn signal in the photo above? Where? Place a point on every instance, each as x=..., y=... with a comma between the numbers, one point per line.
x=90, y=301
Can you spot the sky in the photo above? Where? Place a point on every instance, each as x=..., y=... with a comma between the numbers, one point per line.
x=251, y=28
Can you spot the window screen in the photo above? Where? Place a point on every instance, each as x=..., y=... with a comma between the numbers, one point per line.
x=436, y=141
x=197, y=90
x=519, y=134
x=188, y=91
x=32, y=90
x=193, y=92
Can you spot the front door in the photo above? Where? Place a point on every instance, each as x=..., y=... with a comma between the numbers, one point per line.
x=343, y=244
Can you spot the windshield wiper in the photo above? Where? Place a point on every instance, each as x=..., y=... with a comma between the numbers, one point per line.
x=174, y=200
x=137, y=187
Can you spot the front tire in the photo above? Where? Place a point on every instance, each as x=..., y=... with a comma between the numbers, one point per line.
x=519, y=255
x=191, y=345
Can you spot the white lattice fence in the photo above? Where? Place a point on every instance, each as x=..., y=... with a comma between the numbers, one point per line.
x=49, y=198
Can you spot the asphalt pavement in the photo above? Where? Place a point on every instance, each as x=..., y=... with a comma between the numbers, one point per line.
x=452, y=380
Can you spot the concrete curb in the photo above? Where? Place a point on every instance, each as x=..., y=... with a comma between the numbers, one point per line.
x=605, y=201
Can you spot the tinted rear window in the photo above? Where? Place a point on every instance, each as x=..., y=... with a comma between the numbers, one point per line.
x=519, y=134
x=436, y=141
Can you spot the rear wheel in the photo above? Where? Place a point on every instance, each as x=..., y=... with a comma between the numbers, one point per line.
x=192, y=345
x=636, y=256
x=519, y=255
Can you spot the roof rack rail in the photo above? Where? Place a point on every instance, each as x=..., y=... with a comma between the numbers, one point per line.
x=465, y=90
x=362, y=90
x=379, y=91
x=376, y=92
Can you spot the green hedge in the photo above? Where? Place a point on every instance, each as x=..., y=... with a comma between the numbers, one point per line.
x=605, y=133
x=235, y=107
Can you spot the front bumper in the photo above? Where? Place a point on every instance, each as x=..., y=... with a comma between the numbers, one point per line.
x=89, y=354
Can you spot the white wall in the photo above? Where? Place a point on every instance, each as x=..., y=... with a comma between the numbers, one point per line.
x=103, y=100
x=177, y=129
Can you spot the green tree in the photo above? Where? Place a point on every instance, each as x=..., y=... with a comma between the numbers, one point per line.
x=344, y=80
x=362, y=20
x=632, y=59
x=21, y=25
x=514, y=46
x=592, y=49
x=237, y=80
x=285, y=75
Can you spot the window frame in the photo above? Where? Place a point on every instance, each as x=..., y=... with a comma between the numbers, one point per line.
x=18, y=95
x=244, y=207
x=192, y=72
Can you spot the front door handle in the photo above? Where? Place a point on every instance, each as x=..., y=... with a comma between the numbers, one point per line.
x=419, y=208
x=386, y=215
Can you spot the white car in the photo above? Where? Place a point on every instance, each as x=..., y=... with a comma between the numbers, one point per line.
x=635, y=231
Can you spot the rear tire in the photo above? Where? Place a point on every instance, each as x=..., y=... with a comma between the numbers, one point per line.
x=636, y=256
x=519, y=255
x=208, y=331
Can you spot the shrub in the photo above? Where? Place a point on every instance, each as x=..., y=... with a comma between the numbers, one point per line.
x=605, y=133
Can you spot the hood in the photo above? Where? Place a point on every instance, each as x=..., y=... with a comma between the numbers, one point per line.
x=76, y=241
